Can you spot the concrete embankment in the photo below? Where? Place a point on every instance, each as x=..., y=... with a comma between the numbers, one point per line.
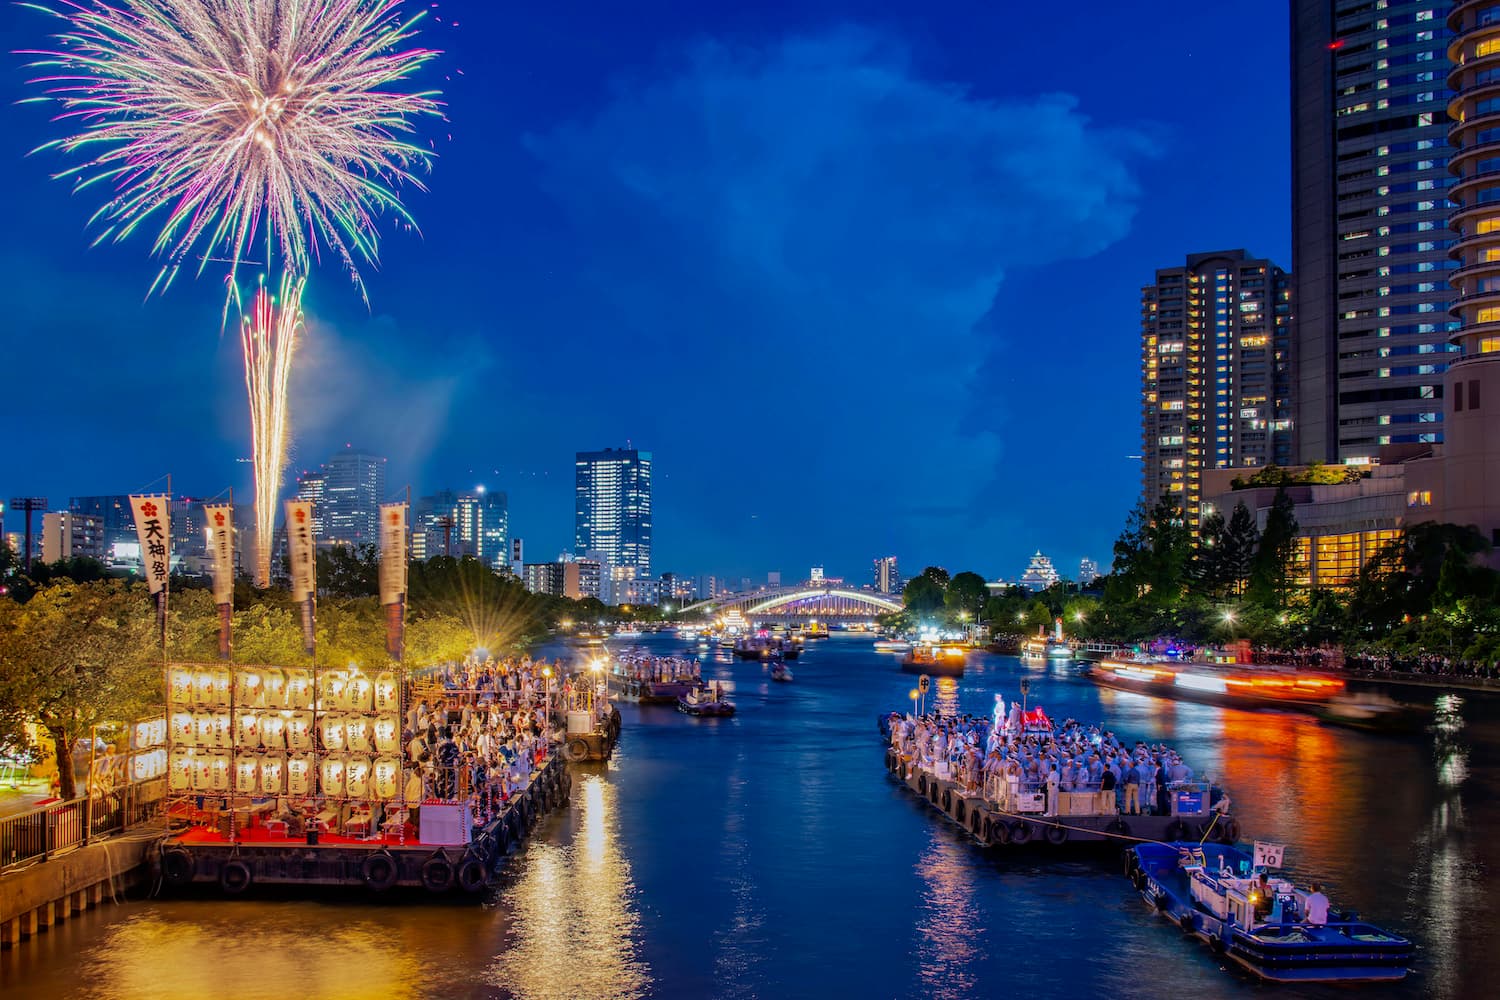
x=34, y=898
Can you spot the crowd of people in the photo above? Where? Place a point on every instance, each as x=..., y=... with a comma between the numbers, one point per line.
x=1425, y=664
x=641, y=666
x=1019, y=757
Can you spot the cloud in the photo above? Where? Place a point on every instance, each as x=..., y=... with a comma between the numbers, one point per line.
x=816, y=229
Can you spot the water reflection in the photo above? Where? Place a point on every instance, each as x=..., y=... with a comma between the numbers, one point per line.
x=740, y=946
x=946, y=929
x=575, y=924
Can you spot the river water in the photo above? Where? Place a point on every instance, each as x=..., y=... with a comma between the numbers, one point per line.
x=770, y=855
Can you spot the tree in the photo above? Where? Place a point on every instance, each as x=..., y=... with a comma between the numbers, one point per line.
x=1270, y=567
x=77, y=655
x=349, y=571
x=1209, y=573
x=922, y=595
x=966, y=592
x=1240, y=542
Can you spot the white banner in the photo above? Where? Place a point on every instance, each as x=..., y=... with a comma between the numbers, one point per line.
x=392, y=552
x=300, y=548
x=220, y=520
x=153, y=527
x=1268, y=855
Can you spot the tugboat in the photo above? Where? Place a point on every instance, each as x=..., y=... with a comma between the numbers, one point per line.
x=705, y=702
x=1216, y=893
x=780, y=671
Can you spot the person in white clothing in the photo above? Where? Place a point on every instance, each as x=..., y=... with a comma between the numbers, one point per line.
x=1317, y=906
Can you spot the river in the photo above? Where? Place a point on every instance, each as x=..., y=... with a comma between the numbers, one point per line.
x=770, y=855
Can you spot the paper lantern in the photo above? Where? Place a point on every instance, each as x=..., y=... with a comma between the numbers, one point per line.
x=357, y=733
x=223, y=730
x=332, y=688
x=273, y=682
x=247, y=735
x=203, y=729
x=272, y=771
x=387, y=693
x=180, y=771
x=387, y=736
x=357, y=777
x=333, y=777
x=387, y=778
x=180, y=686
x=298, y=775
x=220, y=770
x=246, y=775
x=299, y=689
x=299, y=731
x=247, y=689
x=203, y=686
x=332, y=731
x=273, y=731
x=184, y=734
x=223, y=688
x=202, y=776
x=359, y=694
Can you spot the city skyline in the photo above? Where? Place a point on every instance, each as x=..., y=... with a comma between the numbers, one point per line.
x=470, y=326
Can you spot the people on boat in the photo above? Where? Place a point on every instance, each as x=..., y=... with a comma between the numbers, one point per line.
x=1317, y=905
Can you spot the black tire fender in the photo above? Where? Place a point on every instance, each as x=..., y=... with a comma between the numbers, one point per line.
x=1229, y=831
x=1021, y=832
x=472, y=875
x=1176, y=830
x=1057, y=835
x=379, y=871
x=177, y=865
x=437, y=874
x=235, y=877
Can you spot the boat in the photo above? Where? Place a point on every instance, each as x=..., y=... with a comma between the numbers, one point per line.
x=815, y=630
x=943, y=660
x=1047, y=647
x=780, y=671
x=1216, y=893
x=891, y=645
x=649, y=692
x=1373, y=712
x=763, y=647
x=627, y=633
x=1235, y=685
x=703, y=702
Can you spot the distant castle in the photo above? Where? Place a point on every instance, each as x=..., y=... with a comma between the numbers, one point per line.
x=1040, y=574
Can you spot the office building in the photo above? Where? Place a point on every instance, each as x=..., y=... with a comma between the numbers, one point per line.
x=887, y=576
x=613, y=508
x=69, y=535
x=1370, y=241
x=573, y=578
x=484, y=525
x=113, y=511
x=1088, y=571
x=353, y=488
x=1216, y=373
x=310, y=486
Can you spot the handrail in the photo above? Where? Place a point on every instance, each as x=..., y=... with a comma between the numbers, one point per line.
x=39, y=834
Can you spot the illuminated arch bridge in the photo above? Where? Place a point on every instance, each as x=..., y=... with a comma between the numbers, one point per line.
x=831, y=604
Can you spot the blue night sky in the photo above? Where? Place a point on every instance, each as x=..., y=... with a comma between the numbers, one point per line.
x=864, y=277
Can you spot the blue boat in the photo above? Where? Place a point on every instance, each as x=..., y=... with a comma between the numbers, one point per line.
x=1259, y=920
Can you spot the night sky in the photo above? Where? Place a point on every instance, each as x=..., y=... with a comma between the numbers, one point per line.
x=863, y=277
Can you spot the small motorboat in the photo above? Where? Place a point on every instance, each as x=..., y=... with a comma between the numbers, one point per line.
x=1264, y=923
x=892, y=646
x=780, y=672
x=704, y=702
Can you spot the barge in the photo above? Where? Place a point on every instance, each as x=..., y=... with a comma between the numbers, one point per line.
x=1232, y=685
x=943, y=661
x=238, y=842
x=1266, y=925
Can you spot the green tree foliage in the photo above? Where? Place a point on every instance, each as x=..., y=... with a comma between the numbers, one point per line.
x=1270, y=566
x=966, y=593
x=349, y=571
x=923, y=595
x=77, y=655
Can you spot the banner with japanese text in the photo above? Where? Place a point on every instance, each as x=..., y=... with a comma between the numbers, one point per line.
x=302, y=554
x=153, y=528
x=219, y=518
x=393, y=574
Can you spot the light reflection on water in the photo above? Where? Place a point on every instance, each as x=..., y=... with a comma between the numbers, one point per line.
x=574, y=920
x=945, y=939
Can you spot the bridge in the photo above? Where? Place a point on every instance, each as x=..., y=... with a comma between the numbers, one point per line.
x=802, y=603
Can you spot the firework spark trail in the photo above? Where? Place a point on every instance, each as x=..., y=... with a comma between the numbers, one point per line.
x=269, y=337
x=223, y=116
x=230, y=122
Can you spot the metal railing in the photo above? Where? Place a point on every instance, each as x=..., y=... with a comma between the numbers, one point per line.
x=58, y=827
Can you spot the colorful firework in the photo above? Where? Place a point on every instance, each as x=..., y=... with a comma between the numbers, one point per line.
x=269, y=336
x=229, y=122
x=220, y=116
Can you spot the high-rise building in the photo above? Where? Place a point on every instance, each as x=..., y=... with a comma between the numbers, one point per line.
x=575, y=578
x=353, y=488
x=310, y=486
x=887, y=576
x=613, y=508
x=1370, y=243
x=484, y=524
x=1088, y=571
x=1471, y=451
x=1216, y=373
x=116, y=525
x=70, y=535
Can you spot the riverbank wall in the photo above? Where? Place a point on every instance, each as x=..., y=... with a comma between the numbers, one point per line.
x=34, y=899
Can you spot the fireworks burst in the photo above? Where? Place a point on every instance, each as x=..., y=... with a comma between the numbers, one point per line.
x=269, y=336
x=222, y=116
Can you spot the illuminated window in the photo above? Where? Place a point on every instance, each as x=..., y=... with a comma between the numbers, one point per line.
x=1489, y=345
x=1487, y=47
x=1419, y=498
x=1489, y=314
x=1489, y=224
